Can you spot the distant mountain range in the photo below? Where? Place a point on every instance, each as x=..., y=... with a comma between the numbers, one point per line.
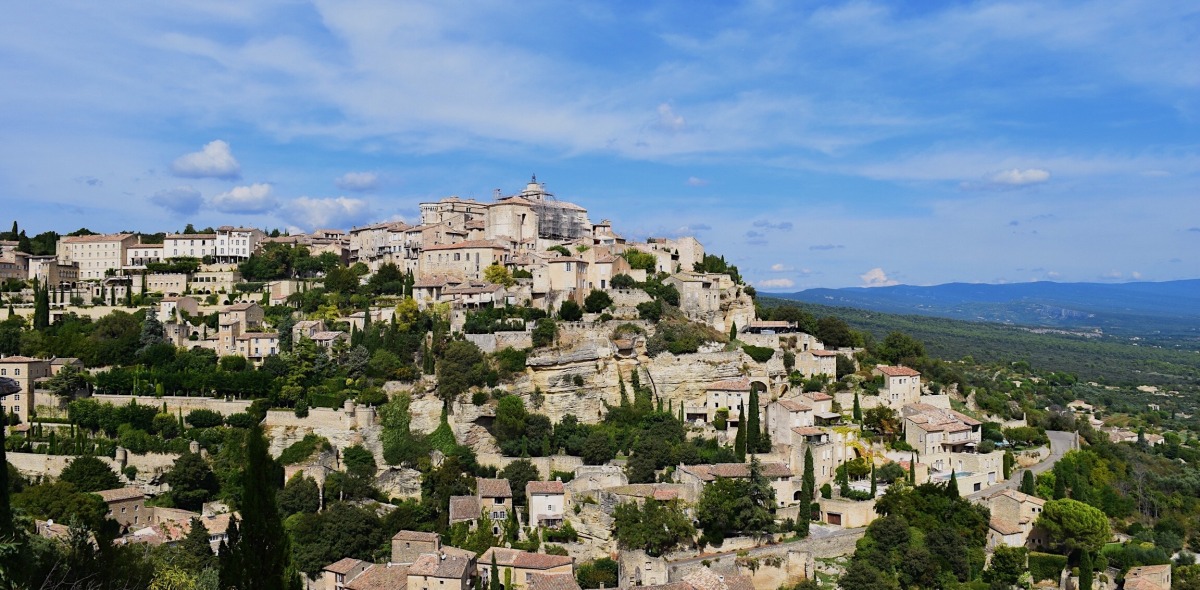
x=1149, y=310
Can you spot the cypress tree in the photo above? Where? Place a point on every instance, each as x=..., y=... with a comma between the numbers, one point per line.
x=1060, y=486
x=873, y=484
x=733, y=332
x=5, y=507
x=753, y=435
x=739, y=440
x=1085, y=570
x=494, y=577
x=1028, y=486
x=952, y=485
x=1009, y=460
x=258, y=558
x=912, y=469
x=857, y=409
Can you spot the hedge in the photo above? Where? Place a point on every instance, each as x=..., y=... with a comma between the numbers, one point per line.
x=1046, y=566
x=760, y=354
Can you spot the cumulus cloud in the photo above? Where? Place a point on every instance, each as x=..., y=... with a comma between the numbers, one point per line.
x=181, y=199
x=826, y=247
x=668, y=120
x=339, y=212
x=215, y=160
x=694, y=181
x=782, y=225
x=256, y=198
x=777, y=284
x=357, y=181
x=781, y=268
x=876, y=278
x=1018, y=177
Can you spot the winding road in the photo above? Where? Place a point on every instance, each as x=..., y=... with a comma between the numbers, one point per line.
x=1060, y=443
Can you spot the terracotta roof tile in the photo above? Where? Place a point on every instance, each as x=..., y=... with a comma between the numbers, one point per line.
x=897, y=371
x=544, y=487
x=742, y=384
x=416, y=536
x=381, y=577
x=492, y=488
x=344, y=565
x=439, y=566
x=560, y=581
x=464, y=508
x=120, y=494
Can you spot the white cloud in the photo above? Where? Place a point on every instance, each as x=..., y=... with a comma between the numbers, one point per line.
x=256, y=198
x=357, y=181
x=339, y=212
x=876, y=278
x=777, y=284
x=781, y=268
x=213, y=161
x=668, y=120
x=695, y=181
x=181, y=199
x=1018, y=177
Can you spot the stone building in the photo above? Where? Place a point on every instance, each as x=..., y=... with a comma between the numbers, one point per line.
x=26, y=372
x=517, y=568
x=95, y=255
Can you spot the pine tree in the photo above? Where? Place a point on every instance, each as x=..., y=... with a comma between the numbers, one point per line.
x=753, y=436
x=739, y=440
x=258, y=558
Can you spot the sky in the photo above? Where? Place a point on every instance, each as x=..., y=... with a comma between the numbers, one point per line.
x=813, y=144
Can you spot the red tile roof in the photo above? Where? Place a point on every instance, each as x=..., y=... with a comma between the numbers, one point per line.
x=344, y=565
x=544, y=487
x=742, y=384
x=381, y=577
x=120, y=494
x=524, y=559
x=897, y=371
x=559, y=581
x=492, y=488
x=416, y=536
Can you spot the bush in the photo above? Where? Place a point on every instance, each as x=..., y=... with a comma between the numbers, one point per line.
x=651, y=311
x=760, y=354
x=545, y=332
x=623, y=281
x=479, y=398
x=827, y=491
x=1046, y=566
x=570, y=311
x=597, y=301
x=204, y=419
x=301, y=410
x=303, y=449
x=986, y=446
x=510, y=361
x=241, y=420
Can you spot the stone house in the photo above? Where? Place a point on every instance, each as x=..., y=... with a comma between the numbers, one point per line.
x=466, y=259
x=782, y=479
x=172, y=309
x=785, y=414
x=936, y=433
x=729, y=394
x=256, y=346
x=1013, y=517
x=495, y=496
x=517, y=568
x=830, y=447
x=846, y=513
x=555, y=581
x=338, y=573
x=127, y=506
x=236, y=244
x=440, y=571
x=813, y=362
x=26, y=372
x=189, y=245
x=901, y=386
x=95, y=255
x=407, y=546
x=546, y=501
x=1148, y=577
x=139, y=255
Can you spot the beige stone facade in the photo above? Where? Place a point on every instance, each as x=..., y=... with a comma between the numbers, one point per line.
x=25, y=371
x=127, y=506
x=517, y=568
x=95, y=255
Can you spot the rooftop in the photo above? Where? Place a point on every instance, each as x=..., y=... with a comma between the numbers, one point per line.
x=559, y=581
x=742, y=384
x=544, y=487
x=120, y=494
x=738, y=470
x=524, y=559
x=439, y=565
x=344, y=565
x=416, y=536
x=492, y=488
x=381, y=577
x=898, y=371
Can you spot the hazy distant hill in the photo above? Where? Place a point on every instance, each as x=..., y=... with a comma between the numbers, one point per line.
x=1155, y=310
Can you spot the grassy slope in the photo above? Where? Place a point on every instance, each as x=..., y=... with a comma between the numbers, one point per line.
x=1090, y=359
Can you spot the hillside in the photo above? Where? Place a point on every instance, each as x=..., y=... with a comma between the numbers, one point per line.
x=1166, y=313
x=1092, y=359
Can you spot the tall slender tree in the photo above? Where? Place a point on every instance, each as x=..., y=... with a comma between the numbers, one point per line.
x=1028, y=486
x=753, y=435
x=1085, y=570
x=857, y=409
x=739, y=439
x=258, y=558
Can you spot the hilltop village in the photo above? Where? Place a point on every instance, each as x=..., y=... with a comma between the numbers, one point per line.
x=509, y=395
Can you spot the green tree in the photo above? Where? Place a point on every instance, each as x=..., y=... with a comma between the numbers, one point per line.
x=1085, y=570
x=899, y=346
x=601, y=573
x=1074, y=525
x=858, y=416
x=753, y=432
x=462, y=366
x=89, y=474
x=654, y=527
x=257, y=557
x=739, y=439
x=570, y=311
x=300, y=494
x=598, y=449
x=835, y=333
x=1028, y=486
x=544, y=333
x=1008, y=563
x=192, y=482
x=518, y=473
x=597, y=301
x=864, y=576
x=196, y=552
x=498, y=275
x=67, y=382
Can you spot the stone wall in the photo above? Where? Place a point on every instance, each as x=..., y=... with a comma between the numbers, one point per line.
x=545, y=465
x=834, y=545
x=177, y=403
x=34, y=465
x=492, y=342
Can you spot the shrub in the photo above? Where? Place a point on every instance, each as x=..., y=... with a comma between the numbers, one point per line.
x=827, y=491
x=623, y=281
x=1046, y=566
x=721, y=419
x=545, y=332
x=303, y=449
x=204, y=418
x=479, y=398
x=651, y=311
x=301, y=410
x=760, y=354
x=241, y=420
x=597, y=301
x=510, y=361
x=570, y=311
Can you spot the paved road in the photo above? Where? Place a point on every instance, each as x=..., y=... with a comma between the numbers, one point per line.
x=1060, y=443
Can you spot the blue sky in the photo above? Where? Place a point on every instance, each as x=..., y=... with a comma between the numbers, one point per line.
x=813, y=144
